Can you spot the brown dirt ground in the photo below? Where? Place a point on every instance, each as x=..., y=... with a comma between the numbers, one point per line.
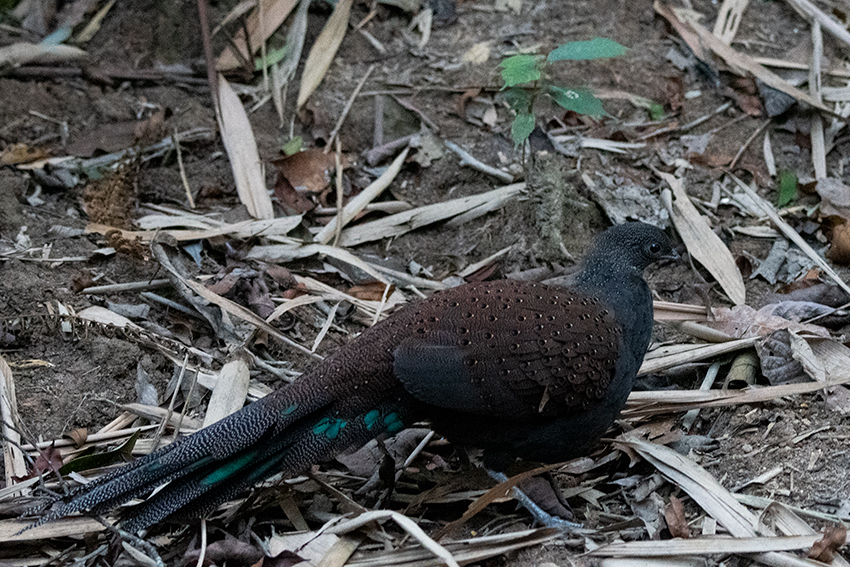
x=87, y=375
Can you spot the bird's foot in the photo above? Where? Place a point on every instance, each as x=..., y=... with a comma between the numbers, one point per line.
x=539, y=513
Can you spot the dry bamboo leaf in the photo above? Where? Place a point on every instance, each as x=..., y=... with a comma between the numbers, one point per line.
x=465, y=551
x=830, y=25
x=104, y=316
x=764, y=503
x=23, y=53
x=705, y=246
x=369, y=308
x=342, y=550
x=283, y=72
x=311, y=546
x=282, y=254
x=678, y=561
x=729, y=19
x=816, y=134
x=718, y=502
x=241, y=147
x=358, y=203
x=784, y=64
x=156, y=413
x=659, y=402
x=406, y=221
x=789, y=523
x=706, y=546
x=670, y=311
x=13, y=458
x=408, y=525
x=769, y=160
x=735, y=59
x=273, y=229
x=273, y=12
x=237, y=310
x=229, y=393
x=790, y=233
x=692, y=353
x=66, y=527
x=323, y=51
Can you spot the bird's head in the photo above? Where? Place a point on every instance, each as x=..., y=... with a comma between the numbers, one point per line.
x=629, y=246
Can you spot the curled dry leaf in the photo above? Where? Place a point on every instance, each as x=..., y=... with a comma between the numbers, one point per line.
x=78, y=436
x=839, y=248
x=824, y=549
x=743, y=321
x=835, y=197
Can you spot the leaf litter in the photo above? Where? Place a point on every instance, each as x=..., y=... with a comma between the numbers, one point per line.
x=787, y=428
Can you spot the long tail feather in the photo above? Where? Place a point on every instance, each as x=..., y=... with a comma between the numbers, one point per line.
x=216, y=464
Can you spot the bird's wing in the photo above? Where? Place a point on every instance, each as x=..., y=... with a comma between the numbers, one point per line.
x=510, y=349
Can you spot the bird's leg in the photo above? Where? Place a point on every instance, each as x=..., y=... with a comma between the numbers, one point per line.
x=539, y=514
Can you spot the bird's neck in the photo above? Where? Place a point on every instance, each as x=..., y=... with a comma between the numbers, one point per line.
x=626, y=292
x=623, y=290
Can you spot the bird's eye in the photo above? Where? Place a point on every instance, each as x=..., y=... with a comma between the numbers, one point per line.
x=655, y=248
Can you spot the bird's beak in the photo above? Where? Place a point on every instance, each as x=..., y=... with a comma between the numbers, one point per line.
x=672, y=256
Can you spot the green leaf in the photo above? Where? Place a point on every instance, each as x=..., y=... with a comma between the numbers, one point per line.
x=518, y=99
x=293, y=146
x=520, y=69
x=597, y=48
x=273, y=57
x=522, y=127
x=656, y=111
x=577, y=100
x=787, y=188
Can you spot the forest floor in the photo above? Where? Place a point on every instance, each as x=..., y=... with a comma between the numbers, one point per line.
x=71, y=219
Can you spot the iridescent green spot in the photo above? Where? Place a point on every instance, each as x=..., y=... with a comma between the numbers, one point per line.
x=393, y=422
x=329, y=427
x=371, y=419
x=228, y=469
x=288, y=410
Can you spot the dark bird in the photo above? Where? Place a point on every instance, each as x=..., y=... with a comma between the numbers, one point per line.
x=521, y=370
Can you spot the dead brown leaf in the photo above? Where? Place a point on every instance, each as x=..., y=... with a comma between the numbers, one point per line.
x=309, y=170
x=78, y=436
x=824, y=549
x=464, y=98
x=674, y=515
x=674, y=92
x=49, y=459
x=81, y=281
x=225, y=284
x=119, y=136
x=22, y=153
x=372, y=291
x=229, y=550
x=282, y=276
x=839, y=247
x=290, y=198
x=259, y=299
